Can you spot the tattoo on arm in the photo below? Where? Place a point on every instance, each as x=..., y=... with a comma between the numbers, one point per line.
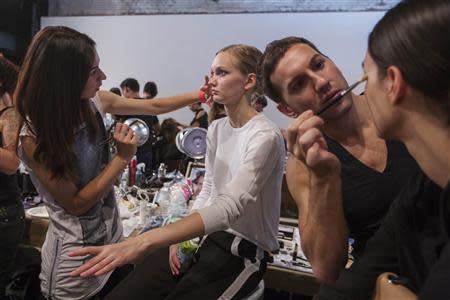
x=10, y=129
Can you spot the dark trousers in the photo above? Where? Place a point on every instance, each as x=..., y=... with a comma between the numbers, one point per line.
x=215, y=270
x=12, y=224
x=116, y=277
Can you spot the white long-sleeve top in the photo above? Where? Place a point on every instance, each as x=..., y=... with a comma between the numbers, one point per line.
x=242, y=186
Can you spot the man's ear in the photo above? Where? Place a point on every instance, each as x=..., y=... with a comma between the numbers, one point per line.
x=396, y=85
x=250, y=83
x=287, y=111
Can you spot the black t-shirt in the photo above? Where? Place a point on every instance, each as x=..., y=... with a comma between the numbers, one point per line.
x=368, y=194
x=413, y=242
x=166, y=152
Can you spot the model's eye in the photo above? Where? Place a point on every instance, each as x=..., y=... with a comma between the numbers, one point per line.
x=221, y=72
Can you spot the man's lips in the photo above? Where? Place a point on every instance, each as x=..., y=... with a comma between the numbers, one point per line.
x=330, y=96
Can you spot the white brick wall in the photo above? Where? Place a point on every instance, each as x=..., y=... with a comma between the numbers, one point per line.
x=148, y=7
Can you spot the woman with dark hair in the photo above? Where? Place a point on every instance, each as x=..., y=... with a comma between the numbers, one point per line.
x=64, y=144
x=150, y=90
x=116, y=91
x=12, y=221
x=408, y=95
x=200, y=117
x=165, y=149
x=259, y=102
x=238, y=208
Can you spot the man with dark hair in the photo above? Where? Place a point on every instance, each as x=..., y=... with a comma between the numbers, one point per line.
x=150, y=90
x=302, y=80
x=130, y=88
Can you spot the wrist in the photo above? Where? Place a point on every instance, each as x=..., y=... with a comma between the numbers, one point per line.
x=143, y=244
x=331, y=177
x=122, y=161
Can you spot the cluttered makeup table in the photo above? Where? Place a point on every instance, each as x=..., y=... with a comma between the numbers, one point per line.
x=144, y=209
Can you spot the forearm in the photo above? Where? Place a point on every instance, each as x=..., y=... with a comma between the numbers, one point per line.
x=123, y=106
x=184, y=229
x=97, y=188
x=168, y=104
x=9, y=162
x=323, y=228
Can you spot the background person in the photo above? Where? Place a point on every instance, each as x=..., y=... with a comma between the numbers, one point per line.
x=150, y=90
x=12, y=216
x=144, y=154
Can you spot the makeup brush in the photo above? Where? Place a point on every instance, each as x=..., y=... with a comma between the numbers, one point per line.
x=340, y=96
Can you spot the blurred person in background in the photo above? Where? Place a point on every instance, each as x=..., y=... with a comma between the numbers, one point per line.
x=12, y=216
x=150, y=90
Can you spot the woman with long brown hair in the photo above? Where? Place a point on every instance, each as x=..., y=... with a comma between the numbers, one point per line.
x=64, y=144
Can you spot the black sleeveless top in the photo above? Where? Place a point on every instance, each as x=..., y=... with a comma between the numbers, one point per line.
x=203, y=120
x=9, y=191
x=367, y=193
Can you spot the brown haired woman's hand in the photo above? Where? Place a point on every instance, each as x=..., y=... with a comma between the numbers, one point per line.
x=126, y=141
x=206, y=88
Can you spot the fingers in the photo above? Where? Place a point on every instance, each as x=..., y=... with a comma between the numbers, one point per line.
x=313, y=156
x=93, y=261
x=322, y=163
x=293, y=128
x=207, y=89
x=174, y=262
x=304, y=123
x=124, y=134
x=101, y=267
x=311, y=137
x=107, y=268
x=84, y=251
x=100, y=264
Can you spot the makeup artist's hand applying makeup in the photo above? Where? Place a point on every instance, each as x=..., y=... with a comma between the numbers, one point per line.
x=205, y=94
x=306, y=142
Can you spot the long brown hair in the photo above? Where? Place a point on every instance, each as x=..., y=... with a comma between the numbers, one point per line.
x=53, y=75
